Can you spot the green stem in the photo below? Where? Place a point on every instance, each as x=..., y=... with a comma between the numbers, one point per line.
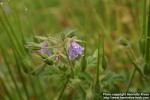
x=84, y=60
x=11, y=29
x=22, y=78
x=63, y=89
x=147, y=55
x=68, y=77
x=97, y=85
x=131, y=56
x=144, y=18
x=131, y=79
x=70, y=63
x=42, y=95
x=11, y=73
x=5, y=89
x=98, y=63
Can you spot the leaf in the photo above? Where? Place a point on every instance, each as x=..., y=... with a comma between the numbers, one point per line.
x=49, y=71
x=85, y=76
x=112, y=78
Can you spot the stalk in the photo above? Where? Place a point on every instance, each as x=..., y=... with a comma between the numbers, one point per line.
x=12, y=33
x=63, y=89
x=98, y=64
x=97, y=85
x=42, y=95
x=144, y=28
x=147, y=48
x=70, y=63
x=5, y=89
x=68, y=77
x=131, y=79
x=11, y=74
x=144, y=18
x=148, y=40
x=11, y=37
x=84, y=60
x=136, y=68
x=22, y=78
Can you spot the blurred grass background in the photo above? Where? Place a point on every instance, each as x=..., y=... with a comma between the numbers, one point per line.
x=22, y=20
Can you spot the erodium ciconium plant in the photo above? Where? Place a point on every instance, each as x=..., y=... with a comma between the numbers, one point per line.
x=55, y=49
x=58, y=52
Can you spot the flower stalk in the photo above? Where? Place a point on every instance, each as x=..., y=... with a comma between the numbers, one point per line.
x=63, y=89
x=147, y=48
x=97, y=85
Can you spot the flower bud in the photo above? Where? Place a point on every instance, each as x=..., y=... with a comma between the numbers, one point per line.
x=44, y=49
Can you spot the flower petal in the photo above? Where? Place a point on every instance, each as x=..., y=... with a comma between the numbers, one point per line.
x=75, y=50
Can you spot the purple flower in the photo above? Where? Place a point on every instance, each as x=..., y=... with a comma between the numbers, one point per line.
x=44, y=49
x=75, y=50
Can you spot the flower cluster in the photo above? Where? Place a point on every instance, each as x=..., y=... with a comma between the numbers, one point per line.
x=73, y=51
